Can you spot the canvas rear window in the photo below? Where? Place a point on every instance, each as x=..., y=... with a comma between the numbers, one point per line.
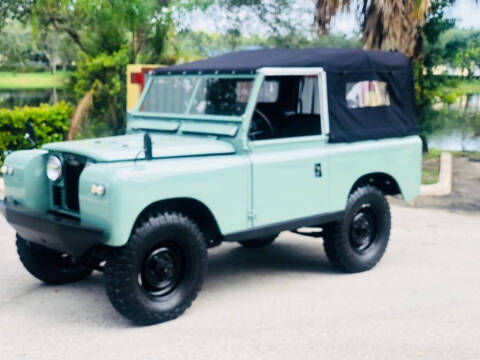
x=368, y=93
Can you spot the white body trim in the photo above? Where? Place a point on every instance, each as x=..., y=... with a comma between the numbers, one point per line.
x=322, y=86
x=325, y=117
x=289, y=71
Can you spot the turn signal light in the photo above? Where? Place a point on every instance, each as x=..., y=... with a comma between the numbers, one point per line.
x=98, y=190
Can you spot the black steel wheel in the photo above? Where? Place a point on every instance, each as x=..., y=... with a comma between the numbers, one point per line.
x=163, y=270
x=258, y=243
x=49, y=266
x=156, y=276
x=358, y=242
x=362, y=230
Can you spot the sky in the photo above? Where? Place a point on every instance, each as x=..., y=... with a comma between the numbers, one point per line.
x=467, y=13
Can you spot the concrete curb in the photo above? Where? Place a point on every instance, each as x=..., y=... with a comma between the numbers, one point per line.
x=444, y=185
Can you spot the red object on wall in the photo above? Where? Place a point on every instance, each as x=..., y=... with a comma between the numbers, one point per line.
x=139, y=77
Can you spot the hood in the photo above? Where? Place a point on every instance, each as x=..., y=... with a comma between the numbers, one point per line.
x=129, y=147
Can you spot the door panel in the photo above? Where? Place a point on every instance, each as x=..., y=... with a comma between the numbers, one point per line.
x=289, y=179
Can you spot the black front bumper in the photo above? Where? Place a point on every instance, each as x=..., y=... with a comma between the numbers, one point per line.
x=52, y=231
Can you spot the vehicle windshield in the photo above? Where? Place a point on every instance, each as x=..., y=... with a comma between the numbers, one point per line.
x=198, y=95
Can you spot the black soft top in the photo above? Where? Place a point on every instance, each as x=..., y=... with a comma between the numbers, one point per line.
x=344, y=67
x=331, y=59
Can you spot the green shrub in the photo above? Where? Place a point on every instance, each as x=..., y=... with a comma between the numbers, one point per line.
x=50, y=122
x=105, y=75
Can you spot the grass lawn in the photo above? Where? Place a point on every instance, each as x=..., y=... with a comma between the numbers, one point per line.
x=431, y=163
x=431, y=167
x=463, y=87
x=471, y=155
x=40, y=80
x=469, y=86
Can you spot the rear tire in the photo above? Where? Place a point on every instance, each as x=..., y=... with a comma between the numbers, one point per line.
x=156, y=276
x=258, y=243
x=358, y=242
x=49, y=266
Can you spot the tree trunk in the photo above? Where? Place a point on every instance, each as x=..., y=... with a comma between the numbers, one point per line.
x=424, y=144
x=54, y=96
x=80, y=114
x=53, y=62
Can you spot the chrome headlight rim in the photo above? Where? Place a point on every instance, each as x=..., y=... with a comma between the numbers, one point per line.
x=54, y=168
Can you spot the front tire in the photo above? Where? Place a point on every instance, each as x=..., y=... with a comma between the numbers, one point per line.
x=358, y=242
x=49, y=266
x=158, y=274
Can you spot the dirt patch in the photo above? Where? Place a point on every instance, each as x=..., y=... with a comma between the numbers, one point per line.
x=465, y=194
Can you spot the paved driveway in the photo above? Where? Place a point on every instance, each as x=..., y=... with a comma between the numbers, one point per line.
x=282, y=302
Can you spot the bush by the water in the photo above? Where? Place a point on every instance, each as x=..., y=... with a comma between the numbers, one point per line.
x=50, y=122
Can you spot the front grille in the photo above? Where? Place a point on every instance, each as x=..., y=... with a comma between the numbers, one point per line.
x=72, y=169
x=65, y=194
x=57, y=196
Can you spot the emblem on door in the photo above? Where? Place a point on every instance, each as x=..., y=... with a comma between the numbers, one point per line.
x=318, y=170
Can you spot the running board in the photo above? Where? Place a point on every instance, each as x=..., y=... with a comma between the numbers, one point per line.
x=291, y=225
x=310, y=231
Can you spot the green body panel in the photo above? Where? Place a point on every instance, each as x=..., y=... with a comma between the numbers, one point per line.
x=401, y=158
x=276, y=181
x=244, y=184
x=219, y=182
x=130, y=147
x=284, y=183
x=29, y=184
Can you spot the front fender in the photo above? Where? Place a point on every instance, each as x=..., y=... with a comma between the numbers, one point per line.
x=28, y=186
x=219, y=182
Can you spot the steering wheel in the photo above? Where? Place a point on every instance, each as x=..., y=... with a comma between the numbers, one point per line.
x=261, y=127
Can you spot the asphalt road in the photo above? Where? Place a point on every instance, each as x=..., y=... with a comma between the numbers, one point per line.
x=282, y=302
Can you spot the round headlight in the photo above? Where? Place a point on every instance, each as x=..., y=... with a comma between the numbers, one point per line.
x=54, y=168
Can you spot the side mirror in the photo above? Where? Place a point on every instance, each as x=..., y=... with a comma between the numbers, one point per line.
x=30, y=134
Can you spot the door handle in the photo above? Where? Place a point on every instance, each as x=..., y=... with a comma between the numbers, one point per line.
x=318, y=170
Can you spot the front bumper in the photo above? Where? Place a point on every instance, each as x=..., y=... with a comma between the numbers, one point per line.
x=52, y=231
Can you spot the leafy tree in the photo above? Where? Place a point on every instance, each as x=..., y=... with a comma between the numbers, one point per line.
x=100, y=84
x=108, y=35
x=14, y=10
x=461, y=49
x=193, y=45
x=16, y=46
x=427, y=84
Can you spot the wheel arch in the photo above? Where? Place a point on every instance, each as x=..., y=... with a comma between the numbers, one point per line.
x=194, y=209
x=382, y=181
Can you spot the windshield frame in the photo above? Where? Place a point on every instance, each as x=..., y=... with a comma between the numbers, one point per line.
x=205, y=117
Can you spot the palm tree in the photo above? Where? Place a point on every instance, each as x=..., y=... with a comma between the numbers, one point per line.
x=385, y=24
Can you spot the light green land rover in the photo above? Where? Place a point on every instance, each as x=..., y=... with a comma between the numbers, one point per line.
x=235, y=148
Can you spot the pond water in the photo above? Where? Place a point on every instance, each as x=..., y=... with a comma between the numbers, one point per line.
x=9, y=98
x=454, y=139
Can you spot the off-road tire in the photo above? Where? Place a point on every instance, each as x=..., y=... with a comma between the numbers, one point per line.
x=338, y=245
x=125, y=269
x=258, y=243
x=49, y=266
